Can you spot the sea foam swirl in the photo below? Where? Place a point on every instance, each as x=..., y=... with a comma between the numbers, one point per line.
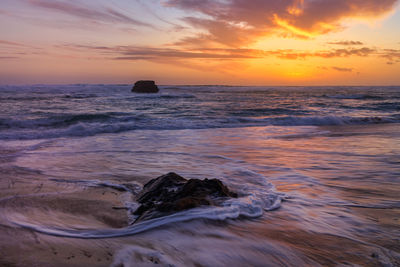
x=244, y=207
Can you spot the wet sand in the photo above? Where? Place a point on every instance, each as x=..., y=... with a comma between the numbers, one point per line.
x=66, y=204
x=342, y=207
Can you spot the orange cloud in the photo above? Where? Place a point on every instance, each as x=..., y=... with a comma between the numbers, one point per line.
x=392, y=55
x=333, y=53
x=345, y=43
x=240, y=22
x=154, y=53
x=342, y=69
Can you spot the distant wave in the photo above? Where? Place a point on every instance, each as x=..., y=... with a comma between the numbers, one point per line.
x=79, y=125
x=161, y=96
x=377, y=107
x=354, y=96
x=43, y=97
x=53, y=111
x=62, y=120
x=269, y=111
x=24, y=98
x=331, y=120
x=174, y=96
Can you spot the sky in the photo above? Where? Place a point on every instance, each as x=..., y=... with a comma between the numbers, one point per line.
x=230, y=42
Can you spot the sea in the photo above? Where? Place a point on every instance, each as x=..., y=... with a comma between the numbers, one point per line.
x=317, y=171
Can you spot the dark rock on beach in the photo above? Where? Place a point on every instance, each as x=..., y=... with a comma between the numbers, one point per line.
x=171, y=193
x=145, y=87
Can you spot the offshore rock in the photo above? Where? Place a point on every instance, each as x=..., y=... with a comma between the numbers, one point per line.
x=145, y=87
x=171, y=193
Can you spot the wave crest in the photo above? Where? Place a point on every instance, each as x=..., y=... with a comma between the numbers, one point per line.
x=92, y=124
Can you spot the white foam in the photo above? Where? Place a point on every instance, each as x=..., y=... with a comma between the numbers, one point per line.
x=248, y=207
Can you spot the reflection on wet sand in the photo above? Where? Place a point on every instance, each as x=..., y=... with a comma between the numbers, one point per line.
x=341, y=208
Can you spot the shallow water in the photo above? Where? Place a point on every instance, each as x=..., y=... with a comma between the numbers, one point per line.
x=317, y=170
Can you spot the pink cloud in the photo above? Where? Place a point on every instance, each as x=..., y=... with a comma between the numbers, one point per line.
x=86, y=12
x=8, y=57
x=9, y=43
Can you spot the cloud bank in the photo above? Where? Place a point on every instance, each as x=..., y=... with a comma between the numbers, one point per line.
x=151, y=53
x=240, y=22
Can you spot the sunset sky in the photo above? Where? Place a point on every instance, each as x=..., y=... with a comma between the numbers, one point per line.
x=233, y=42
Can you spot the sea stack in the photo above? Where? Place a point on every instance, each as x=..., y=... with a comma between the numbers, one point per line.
x=145, y=87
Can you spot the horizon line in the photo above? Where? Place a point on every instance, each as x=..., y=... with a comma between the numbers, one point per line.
x=194, y=85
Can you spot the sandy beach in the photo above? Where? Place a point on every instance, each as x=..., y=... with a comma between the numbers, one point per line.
x=281, y=236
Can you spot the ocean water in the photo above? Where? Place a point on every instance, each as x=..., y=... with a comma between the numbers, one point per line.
x=317, y=170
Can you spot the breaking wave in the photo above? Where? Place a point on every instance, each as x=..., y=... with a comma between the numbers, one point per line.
x=354, y=96
x=91, y=124
x=40, y=112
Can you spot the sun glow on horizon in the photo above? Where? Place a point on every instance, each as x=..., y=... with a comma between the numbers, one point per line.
x=180, y=42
